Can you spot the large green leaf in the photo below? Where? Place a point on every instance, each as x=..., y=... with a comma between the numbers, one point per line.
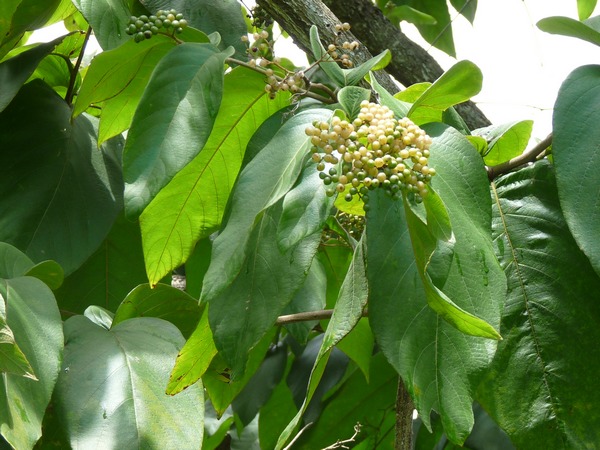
x=585, y=8
x=162, y=301
x=16, y=70
x=173, y=120
x=505, y=141
x=538, y=388
x=352, y=299
x=588, y=30
x=246, y=309
x=60, y=193
x=222, y=16
x=439, y=365
x=267, y=178
x=458, y=84
x=33, y=317
x=111, y=389
x=191, y=206
x=576, y=155
x=108, y=275
x=108, y=18
x=19, y=16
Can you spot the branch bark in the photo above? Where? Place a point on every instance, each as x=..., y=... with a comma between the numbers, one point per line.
x=410, y=63
x=404, y=417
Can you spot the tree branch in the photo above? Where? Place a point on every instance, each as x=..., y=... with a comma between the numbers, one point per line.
x=75, y=70
x=297, y=16
x=307, y=316
x=524, y=158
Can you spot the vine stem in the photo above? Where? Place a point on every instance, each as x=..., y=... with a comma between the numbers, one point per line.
x=526, y=157
x=75, y=70
x=307, y=316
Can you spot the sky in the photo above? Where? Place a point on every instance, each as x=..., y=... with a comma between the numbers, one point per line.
x=522, y=66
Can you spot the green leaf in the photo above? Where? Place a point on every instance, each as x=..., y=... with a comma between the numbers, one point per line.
x=466, y=8
x=305, y=209
x=99, y=316
x=587, y=31
x=345, y=77
x=358, y=345
x=19, y=16
x=122, y=72
x=266, y=178
x=355, y=402
x=173, y=120
x=61, y=193
x=275, y=415
x=576, y=155
x=108, y=18
x=16, y=70
x=548, y=353
x=458, y=84
x=33, y=317
x=191, y=206
x=222, y=16
x=108, y=275
x=348, y=311
x=122, y=373
x=505, y=141
x=13, y=262
x=439, y=365
x=350, y=97
x=12, y=359
x=399, y=107
x=194, y=358
x=162, y=301
x=49, y=272
x=266, y=283
x=404, y=12
x=585, y=8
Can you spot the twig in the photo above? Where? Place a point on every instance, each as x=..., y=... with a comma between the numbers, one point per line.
x=404, y=414
x=524, y=158
x=71, y=89
x=342, y=444
x=307, y=316
x=289, y=446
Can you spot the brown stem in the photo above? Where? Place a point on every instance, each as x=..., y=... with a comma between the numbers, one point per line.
x=307, y=316
x=404, y=416
x=524, y=158
x=71, y=89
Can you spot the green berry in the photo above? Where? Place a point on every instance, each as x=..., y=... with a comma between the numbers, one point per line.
x=348, y=197
x=158, y=23
x=139, y=37
x=147, y=34
x=183, y=23
x=166, y=23
x=139, y=24
x=154, y=30
x=175, y=23
x=143, y=18
x=131, y=29
x=179, y=30
x=179, y=16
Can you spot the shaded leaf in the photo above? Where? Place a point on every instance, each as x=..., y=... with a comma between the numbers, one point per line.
x=162, y=301
x=266, y=283
x=13, y=262
x=121, y=374
x=173, y=120
x=16, y=70
x=547, y=355
x=266, y=178
x=576, y=155
x=60, y=193
x=49, y=272
x=191, y=206
x=12, y=359
x=108, y=275
x=33, y=317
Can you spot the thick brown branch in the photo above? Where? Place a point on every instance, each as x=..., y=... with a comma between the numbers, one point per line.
x=404, y=417
x=297, y=16
x=307, y=316
x=410, y=63
x=526, y=157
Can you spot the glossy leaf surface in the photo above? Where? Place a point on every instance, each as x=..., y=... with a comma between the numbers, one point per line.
x=547, y=356
x=109, y=20
x=505, y=141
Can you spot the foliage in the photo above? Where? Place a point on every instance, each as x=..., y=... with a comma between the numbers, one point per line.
x=324, y=263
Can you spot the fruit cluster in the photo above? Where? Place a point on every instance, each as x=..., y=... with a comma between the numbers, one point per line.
x=375, y=150
x=334, y=50
x=144, y=27
x=354, y=225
